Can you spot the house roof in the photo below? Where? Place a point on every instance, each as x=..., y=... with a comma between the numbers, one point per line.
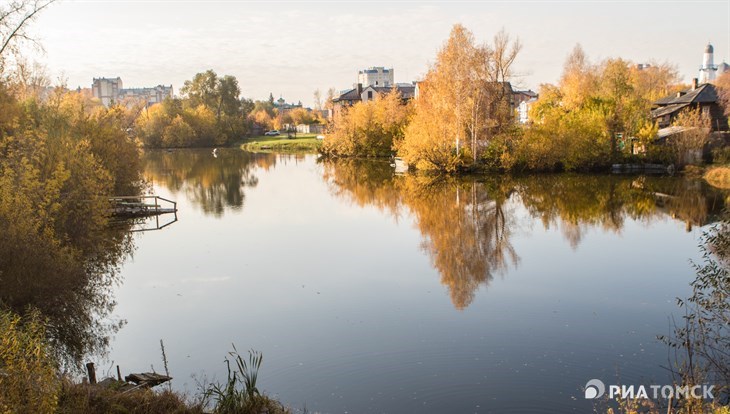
x=529, y=92
x=350, y=95
x=705, y=93
x=672, y=130
x=385, y=89
x=669, y=109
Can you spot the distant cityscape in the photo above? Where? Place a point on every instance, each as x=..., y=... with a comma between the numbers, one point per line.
x=111, y=90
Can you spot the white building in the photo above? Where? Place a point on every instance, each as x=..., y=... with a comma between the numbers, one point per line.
x=111, y=90
x=722, y=68
x=708, y=70
x=376, y=76
x=106, y=89
x=523, y=110
x=153, y=95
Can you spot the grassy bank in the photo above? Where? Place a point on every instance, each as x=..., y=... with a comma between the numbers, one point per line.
x=302, y=143
x=32, y=382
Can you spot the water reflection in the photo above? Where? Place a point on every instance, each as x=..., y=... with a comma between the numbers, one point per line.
x=467, y=223
x=466, y=227
x=213, y=182
x=69, y=282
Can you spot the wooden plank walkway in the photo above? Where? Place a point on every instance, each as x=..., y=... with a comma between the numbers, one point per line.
x=142, y=206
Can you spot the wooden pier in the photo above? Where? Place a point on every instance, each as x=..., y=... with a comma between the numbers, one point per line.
x=642, y=169
x=141, y=206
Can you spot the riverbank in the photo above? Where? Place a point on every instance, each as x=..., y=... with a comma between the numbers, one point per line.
x=305, y=143
x=84, y=398
x=32, y=381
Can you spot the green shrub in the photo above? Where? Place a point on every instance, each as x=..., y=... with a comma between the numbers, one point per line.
x=240, y=394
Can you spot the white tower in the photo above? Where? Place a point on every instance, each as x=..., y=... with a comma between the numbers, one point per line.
x=708, y=70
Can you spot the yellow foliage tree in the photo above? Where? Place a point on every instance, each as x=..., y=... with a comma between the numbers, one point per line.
x=302, y=116
x=262, y=118
x=687, y=145
x=588, y=119
x=178, y=133
x=28, y=380
x=464, y=101
x=369, y=128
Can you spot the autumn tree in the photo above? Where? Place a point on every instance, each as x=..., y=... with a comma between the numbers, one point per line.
x=369, y=128
x=463, y=102
x=262, y=118
x=695, y=132
x=317, y=95
x=592, y=115
x=723, y=89
x=210, y=113
x=331, y=95
x=60, y=160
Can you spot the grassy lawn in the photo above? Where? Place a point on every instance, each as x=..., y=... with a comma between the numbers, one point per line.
x=302, y=143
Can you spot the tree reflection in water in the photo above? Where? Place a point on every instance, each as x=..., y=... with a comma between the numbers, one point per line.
x=212, y=183
x=467, y=223
x=69, y=282
x=467, y=226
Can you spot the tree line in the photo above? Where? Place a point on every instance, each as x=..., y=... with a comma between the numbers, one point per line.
x=463, y=118
x=211, y=112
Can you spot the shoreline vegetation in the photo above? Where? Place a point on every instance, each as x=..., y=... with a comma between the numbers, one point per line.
x=303, y=143
x=718, y=176
x=461, y=121
x=30, y=381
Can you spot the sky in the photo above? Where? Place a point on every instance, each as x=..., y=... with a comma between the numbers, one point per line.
x=292, y=48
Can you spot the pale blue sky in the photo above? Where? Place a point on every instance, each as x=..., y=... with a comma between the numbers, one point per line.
x=291, y=48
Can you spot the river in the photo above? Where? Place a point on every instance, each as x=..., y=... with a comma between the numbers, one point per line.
x=370, y=292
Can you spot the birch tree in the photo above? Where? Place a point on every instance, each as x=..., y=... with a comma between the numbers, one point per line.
x=462, y=100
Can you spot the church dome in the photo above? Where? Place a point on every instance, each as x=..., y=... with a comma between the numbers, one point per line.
x=709, y=48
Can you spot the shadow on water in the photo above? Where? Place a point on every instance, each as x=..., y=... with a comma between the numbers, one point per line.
x=467, y=223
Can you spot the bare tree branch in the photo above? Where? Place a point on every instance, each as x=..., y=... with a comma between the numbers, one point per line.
x=14, y=20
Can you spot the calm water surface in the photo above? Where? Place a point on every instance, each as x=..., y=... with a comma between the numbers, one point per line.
x=368, y=292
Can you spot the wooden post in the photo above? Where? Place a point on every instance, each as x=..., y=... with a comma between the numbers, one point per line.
x=92, y=373
x=119, y=374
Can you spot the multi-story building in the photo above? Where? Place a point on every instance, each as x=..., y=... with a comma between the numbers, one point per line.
x=376, y=76
x=152, y=95
x=111, y=90
x=106, y=89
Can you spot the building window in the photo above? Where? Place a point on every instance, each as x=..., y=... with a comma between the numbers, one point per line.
x=370, y=94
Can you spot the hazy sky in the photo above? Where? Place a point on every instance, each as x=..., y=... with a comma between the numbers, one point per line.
x=291, y=48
